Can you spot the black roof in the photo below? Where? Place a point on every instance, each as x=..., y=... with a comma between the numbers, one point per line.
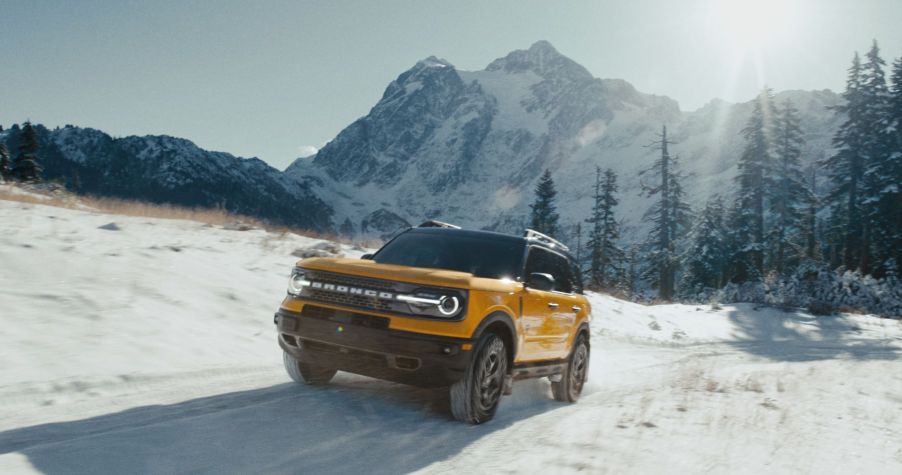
x=488, y=235
x=468, y=233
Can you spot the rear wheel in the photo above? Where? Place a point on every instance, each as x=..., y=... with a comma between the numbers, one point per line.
x=571, y=384
x=305, y=373
x=474, y=399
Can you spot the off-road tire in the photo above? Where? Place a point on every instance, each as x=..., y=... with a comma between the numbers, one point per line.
x=575, y=374
x=474, y=399
x=305, y=373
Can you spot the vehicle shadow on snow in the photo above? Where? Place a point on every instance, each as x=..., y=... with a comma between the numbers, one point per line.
x=355, y=425
x=793, y=336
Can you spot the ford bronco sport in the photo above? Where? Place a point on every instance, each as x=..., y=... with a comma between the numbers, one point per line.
x=439, y=306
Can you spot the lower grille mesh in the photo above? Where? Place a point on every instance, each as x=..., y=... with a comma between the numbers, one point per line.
x=348, y=318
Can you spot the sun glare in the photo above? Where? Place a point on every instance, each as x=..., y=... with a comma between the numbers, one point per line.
x=751, y=24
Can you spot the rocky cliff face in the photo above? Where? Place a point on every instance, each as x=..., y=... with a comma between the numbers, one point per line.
x=467, y=147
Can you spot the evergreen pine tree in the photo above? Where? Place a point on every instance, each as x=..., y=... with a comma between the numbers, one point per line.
x=669, y=218
x=632, y=275
x=877, y=149
x=26, y=167
x=846, y=169
x=4, y=162
x=579, y=246
x=593, y=245
x=787, y=193
x=754, y=164
x=739, y=267
x=544, y=216
x=606, y=259
x=891, y=169
x=810, y=225
x=863, y=187
x=706, y=260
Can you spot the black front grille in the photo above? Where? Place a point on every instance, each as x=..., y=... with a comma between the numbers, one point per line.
x=350, y=300
x=353, y=281
x=367, y=293
x=343, y=317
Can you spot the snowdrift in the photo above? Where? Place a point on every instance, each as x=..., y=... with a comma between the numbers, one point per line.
x=140, y=345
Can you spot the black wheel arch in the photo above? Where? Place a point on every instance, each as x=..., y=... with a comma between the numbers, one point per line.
x=584, y=329
x=502, y=325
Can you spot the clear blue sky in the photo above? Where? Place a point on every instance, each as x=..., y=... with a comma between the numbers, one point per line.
x=270, y=78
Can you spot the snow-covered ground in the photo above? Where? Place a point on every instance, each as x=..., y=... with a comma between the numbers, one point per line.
x=148, y=347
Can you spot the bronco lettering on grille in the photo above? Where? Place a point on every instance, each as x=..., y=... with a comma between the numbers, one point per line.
x=343, y=289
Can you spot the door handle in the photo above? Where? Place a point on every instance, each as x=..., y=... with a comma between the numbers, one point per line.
x=575, y=308
x=553, y=305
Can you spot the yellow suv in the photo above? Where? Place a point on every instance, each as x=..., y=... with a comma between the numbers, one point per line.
x=439, y=306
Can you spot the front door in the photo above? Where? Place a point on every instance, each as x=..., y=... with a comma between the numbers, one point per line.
x=548, y=316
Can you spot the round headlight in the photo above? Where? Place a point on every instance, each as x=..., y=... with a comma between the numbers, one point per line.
x=448, y=306
x=296, y=283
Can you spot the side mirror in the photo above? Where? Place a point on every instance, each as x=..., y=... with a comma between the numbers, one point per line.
x=540, y=281
x=368, y=257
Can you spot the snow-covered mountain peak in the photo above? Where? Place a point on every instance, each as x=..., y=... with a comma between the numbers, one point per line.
x=468, y=146
x=434, y=62
x=461, y=146
x=544, y=60
x=431, y=73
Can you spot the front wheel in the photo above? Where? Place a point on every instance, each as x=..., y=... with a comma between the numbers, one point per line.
x=575, y=375
x=474, y=399
x=305, y=373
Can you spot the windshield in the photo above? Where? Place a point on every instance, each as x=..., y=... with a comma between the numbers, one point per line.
x=480, y=256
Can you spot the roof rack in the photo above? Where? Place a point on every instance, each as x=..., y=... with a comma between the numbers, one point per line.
x=533, y=234
x=437, y=224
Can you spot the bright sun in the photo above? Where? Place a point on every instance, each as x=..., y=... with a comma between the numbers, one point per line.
x=750, y=24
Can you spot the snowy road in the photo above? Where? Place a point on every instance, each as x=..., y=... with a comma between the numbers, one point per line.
x=120, y=354
x=649, y=409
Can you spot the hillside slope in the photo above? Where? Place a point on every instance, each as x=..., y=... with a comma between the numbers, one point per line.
x=163, y=169
x=148, y=347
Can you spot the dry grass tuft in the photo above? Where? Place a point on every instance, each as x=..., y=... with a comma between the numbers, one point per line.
x=10, y=193
x=753, y=385
x=714, y=387
x=55, y=195
x=163, y=211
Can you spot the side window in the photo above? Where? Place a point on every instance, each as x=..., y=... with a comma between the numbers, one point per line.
x=563, y=281
x=539, y=261
x=546, y=262
x=577, y=277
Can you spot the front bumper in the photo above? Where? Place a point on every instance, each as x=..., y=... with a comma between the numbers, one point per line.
x=363, y=344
